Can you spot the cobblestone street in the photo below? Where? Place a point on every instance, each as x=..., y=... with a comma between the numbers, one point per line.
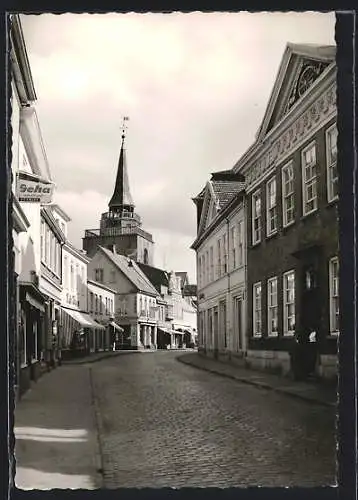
x=166, y=424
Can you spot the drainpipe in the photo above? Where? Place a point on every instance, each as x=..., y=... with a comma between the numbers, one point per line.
x=244, y=312
x=228, y=273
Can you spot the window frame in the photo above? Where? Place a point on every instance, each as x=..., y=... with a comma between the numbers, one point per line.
x=233, y=247
x=285, y=195
x=240, y=242
x=271, y=307
x=211, y=255
x=256, y=195
x=269, y=231
x=286, y=331
x=332, y=261
x=219, y=257
x=255, y=286
x=225, y=255
x=305, y=182
x=330, y=164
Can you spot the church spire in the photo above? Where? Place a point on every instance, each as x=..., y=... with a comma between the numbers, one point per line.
x=121, y=198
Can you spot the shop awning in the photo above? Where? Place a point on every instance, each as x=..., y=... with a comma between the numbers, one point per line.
x=34, y=303
x=83, y=319
x=165, y=330
x=116, y=327
x=177, y=332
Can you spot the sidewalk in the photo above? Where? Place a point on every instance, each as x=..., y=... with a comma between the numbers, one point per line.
x=312, y=392
x=56, y=433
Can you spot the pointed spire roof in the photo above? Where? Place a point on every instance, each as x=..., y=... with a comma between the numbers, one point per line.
x=121, y=195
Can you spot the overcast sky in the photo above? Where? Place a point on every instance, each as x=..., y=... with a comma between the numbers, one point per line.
x=195, y=87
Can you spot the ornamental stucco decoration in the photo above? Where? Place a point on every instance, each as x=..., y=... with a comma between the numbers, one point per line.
x=317, y=112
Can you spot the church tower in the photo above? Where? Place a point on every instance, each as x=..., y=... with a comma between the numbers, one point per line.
x=120, y=228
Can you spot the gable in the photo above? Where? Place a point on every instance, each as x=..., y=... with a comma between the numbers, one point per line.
x=120, y=283
x=129, y=269
x=300, y=67
x=209, y=209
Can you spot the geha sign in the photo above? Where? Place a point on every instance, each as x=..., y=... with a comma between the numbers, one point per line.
x=35, y=191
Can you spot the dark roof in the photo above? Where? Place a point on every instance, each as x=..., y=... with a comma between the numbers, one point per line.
x=190, y=291
x=226, y=190
x=132, y=272
x=121, y=196
x=227, y=175
x=157, y=277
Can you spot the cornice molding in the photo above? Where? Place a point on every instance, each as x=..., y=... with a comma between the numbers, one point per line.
x=328, y=83
x=292, y=133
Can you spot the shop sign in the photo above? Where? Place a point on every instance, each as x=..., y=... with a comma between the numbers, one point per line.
x=34, y=191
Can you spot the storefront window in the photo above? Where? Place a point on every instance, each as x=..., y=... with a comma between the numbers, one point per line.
x=22, y=339
x=34, y=343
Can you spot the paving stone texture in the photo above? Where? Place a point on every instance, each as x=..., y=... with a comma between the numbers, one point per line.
x=167, y=424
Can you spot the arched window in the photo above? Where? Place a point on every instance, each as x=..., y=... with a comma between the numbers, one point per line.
x=145, y=256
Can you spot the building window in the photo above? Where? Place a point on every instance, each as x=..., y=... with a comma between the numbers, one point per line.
x=240, y=232
x=309, y=177
x=65, y=271
x=207, y=267
x=99, y=275
x=288, y=200
x=203, y=268
x=76, y=278
x=233, y=247
x=271, y=207
x=34, y=346
x=222, y=317
x=225, y=269
x=42, y=240
x=113, y=276
x=334, y=295
x=72, y=276
x=256, y=217
x=289, y=303
x=96, y=303
x=53, y=252
x=22, y=339
x=57, y=257
x=47, y=241
x=211, y=264
x=219, y=258
x=332, y=172
x=272, y=307
x=257, y=323
x=199, y=272
x=91, y=302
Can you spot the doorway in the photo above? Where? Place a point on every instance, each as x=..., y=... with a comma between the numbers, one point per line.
x=239, y=344
x=216, y=332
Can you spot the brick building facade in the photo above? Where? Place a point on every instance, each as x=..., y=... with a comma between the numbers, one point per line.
x=292, y=229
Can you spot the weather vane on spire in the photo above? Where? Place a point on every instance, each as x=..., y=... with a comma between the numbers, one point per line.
x=124, y=126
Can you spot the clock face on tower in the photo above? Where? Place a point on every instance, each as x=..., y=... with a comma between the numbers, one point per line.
x=307, y=77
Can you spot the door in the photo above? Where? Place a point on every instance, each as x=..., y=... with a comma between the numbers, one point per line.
x=238, y=323
x=216, y=331
x=310, y=302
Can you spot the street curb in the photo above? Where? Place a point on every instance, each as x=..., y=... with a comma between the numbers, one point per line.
x=261, y=385
x=98, y=426
x=95, y=360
